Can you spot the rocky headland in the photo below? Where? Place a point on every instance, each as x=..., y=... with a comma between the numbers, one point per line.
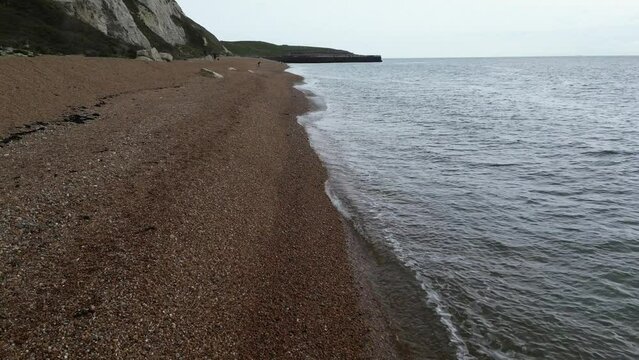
x=296, y=54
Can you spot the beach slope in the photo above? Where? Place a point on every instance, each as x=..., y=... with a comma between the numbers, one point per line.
x=149, y=211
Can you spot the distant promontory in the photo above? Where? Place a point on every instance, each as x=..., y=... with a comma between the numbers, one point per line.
x=295, y=54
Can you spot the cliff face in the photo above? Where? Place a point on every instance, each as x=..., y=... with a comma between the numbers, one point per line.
x=158, y=15
x=146, y=23
x=111, y=17
x=43, y=26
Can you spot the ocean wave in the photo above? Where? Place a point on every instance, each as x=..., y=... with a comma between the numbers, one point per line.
x=604, y=153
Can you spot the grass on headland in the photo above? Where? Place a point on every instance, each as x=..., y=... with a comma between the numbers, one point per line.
x=264, y=49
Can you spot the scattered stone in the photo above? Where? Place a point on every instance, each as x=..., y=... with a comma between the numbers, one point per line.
x=232, y=69
x=203, y=58
x=9, y=51
x=166, y=57
x=210, y=73
x=151, y=53
x=155, y=55
x=144, y=58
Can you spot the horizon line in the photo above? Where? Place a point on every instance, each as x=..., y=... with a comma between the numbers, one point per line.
x=504, y=57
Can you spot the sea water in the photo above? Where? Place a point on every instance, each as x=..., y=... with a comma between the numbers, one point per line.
x=509, y=187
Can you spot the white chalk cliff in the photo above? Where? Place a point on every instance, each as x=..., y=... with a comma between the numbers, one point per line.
x=158, y=15
x=142, y=23
x=111, y=17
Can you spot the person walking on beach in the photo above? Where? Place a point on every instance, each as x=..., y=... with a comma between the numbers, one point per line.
x=259, y=63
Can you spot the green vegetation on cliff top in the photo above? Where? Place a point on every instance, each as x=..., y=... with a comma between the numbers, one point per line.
x=264, y=49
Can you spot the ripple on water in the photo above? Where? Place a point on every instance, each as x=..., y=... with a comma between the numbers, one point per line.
x=508, y=186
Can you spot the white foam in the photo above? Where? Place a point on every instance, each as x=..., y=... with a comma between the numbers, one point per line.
x=339, y=205
x=433, y=298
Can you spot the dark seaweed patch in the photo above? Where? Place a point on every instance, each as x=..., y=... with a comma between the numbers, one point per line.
x=18, y=135
x=147, y=229
x=80, y=119
x=41, y=126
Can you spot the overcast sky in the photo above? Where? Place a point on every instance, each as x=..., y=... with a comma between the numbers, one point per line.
x=430, y=28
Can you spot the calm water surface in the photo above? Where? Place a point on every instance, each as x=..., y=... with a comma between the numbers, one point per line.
x=509, y=186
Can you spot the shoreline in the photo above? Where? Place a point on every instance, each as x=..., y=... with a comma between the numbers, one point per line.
x=394, y=297
x=159, y=225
